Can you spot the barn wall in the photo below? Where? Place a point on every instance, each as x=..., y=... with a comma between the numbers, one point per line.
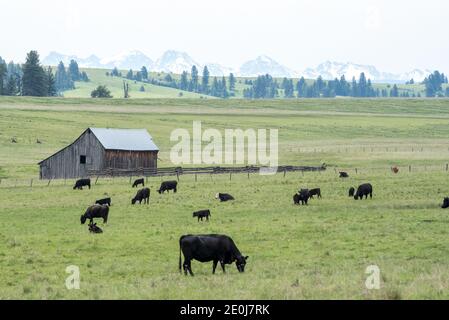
x=120, y=159
x=66, y=163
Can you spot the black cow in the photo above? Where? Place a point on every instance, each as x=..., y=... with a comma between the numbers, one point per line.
x=94, y=228
x=224, y=197
x=139, y=181
x=351, y=192
x=142, y=195
x=302, y=196
x=344, y=174
x=104, y=201
x=315, y=192
x=364, y=190
x=212, y=247
x=79, y=184
x=96, y=211
x=445, y=203
x=167, y=186
x=202, y=214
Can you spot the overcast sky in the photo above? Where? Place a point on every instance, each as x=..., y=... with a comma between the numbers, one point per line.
x=394, y=36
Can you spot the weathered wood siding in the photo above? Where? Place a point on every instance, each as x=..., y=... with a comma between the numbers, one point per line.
x=66, y=163
x=119, y=159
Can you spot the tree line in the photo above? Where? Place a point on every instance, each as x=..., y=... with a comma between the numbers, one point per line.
x=217, y=86
x=33, y=79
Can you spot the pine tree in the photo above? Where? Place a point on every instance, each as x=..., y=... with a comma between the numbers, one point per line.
x=194, y=79
x=51, y=83
x=130, y=75
x=184, y=83
x=232, y=83
x=11, y=86
x=34, y=78
x=144, y=72
x=205, y=81
x=62, y=79
x=2, y=75
x=74, y=71
x=301, y=88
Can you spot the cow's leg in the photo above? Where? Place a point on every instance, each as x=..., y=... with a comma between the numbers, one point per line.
x=175, y=190
x=371, y=195
x=214, y=266
x=223, y=266
x=189, y=266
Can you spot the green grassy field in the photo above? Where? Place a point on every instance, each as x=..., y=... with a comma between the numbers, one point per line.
x=296, y=252
x=115, y=85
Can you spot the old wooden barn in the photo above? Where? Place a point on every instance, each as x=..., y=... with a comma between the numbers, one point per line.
x=100, y=149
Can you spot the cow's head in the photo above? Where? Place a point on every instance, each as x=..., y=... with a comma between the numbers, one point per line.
x=83, y=219
x=445, y=203
x=160, y=191
x=133, y=200
x=240, y=263
x=195, y=214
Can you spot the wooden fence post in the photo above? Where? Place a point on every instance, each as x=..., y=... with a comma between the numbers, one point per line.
x=195, y=176
x=284, y=172
x=355, y=170
x=31, y=183
x=177, y=175
x=409, y=168
x=230, y=175
x=447, y=166
x=96, y=180
x=49, y=180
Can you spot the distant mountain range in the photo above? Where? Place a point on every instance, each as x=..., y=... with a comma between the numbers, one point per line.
x=177, y=62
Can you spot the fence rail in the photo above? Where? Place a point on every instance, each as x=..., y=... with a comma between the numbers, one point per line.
x=176, y=171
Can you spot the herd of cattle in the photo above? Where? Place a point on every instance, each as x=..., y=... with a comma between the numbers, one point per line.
x=212, y=247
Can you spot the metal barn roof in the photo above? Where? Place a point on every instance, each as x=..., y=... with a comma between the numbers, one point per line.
x=125, y=139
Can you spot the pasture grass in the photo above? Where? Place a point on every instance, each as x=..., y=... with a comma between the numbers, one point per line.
x=318, y=251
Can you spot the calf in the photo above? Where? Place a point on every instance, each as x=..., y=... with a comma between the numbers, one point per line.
x=142, y=195
x=315, y=192
x=343, y=174
x=351, y=191
x=96, y=211
x=94, y=228
x=167, y=186
x=212, y=247
x=302, y=196
x=224, y=197
x=364, y=190
x=445, y=203
x=139, y=181
x=202, y=214
x=104, y=201
x=79, y=184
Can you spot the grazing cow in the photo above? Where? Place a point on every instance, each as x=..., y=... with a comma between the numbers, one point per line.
x=212, y=247
x=96, y=211
x=364, y=190
x=344, y=174
x=394, y=169
x=315, y=192
x=81, y=183
x=351, y=191
x=445, y=203
x=142, y=195
x=202, y=214
x=104, y=201
x=94, y=228
x=139, y=181
x=224, y=197
x=167, y=186
x=302, y=196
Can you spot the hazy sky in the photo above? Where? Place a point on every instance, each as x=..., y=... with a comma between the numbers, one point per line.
x=393, y=35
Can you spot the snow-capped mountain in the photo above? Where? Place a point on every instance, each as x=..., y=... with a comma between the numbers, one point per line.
x=176, y=62
x=218, y=70
x=331, y=70
x=128, y=60
x=263, y=65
